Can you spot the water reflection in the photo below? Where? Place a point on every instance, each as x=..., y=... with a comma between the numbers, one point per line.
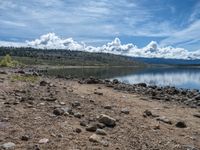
x=179, y=77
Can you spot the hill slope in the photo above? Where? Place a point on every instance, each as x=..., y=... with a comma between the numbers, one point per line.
x=33, y=56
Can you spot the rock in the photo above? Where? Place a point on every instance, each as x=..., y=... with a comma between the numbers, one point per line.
x=108, y=107
x=62, y=103
x=142, y=84
x=43, y=141
x=189, y=147
x=91, y=128
x=107, y=120
x=50, y=99
x=92, y=80
x=181, y=124
x=83, y=123
x=78, y=130
x=100, y=125
x=115, y=81
x=77, y=115
x=101, y=132
x=8, y=146
x=25, y=138
x=147, y=113
x=67, y=110
x=43, y=83
x=164, y=119
x=98, y=93
x=33, y=147
x=76, y=104
x=125, y=111
x=197, y=115
x=58, y=111
x=94, y=138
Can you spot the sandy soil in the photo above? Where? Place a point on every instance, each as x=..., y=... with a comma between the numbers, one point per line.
x=26, y=110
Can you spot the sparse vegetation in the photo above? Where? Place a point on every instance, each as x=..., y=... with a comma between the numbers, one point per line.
x=24, y=78
x=7, y=61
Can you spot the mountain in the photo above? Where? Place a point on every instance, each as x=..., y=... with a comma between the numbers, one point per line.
x=168, y=61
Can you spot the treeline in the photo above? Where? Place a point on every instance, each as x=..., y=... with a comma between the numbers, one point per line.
x=32, y=56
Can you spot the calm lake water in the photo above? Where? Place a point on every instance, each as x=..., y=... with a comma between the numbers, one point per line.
x=179, y=77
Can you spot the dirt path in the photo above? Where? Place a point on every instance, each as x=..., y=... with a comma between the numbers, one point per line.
x=30, y=112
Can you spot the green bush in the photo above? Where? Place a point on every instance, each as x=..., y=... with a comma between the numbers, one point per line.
x=8, y=62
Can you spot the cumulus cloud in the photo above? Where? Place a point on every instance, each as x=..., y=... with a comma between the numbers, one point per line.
x=51, y=41
x=152, y=50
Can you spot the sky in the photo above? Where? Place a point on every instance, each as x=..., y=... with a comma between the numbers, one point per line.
x=173, y=23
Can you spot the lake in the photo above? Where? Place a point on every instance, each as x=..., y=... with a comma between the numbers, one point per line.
x=188, y=77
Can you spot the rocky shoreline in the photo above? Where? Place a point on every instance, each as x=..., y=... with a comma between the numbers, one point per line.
x=92, y=114
x=187, y=97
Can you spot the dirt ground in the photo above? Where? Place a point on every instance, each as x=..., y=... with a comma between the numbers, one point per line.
x=27, y=116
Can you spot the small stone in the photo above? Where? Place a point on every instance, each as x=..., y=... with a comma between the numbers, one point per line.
x=43, y=83
x=181, y=124
x=25, y=138
x=100, y=125
x=91, y=128
x=58, y=111
x=78, y=130
x=98, y=93
x=156, y=127
x=43, y=141
x=8, y=146
x=76, y=104
x=107, y=120
x=67, y=110
x=62, y=103
x=125, y=110
x=83, y=123
x=164, y=119
x=94, y=138
x=147, y=113
x=101, y=132
x=108, y=107
x=77, y=115
x=197, y=115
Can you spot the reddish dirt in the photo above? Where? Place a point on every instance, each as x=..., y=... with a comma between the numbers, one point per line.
x=24, y=110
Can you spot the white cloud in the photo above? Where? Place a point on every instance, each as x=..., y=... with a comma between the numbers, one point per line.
x=152, y=50
x=179, y=38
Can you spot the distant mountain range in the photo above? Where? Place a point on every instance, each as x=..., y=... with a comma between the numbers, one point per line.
x=165, y=61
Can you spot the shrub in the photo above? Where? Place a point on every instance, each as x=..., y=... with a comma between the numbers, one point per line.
x=8, y=62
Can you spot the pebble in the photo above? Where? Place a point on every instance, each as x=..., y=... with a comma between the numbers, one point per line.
x=98, y=93
x=101, y=132
x=125, y=111
x=108, y=107
x=76, y=104
x=78, y=130
x=25, y=138
x=43, y=141
x=77, y=115
x=8, y=146
x=181, y=124
x=94, y=138
x=91, y=128
x=58, y=111
x=164, y=119
x=107, y=120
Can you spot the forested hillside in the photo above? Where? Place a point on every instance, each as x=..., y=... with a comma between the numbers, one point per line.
x=33, y=56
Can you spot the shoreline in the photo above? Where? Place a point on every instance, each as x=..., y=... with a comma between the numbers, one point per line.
x=57, y=113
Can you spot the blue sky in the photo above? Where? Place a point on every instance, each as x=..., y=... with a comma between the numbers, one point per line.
x=169, y=22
